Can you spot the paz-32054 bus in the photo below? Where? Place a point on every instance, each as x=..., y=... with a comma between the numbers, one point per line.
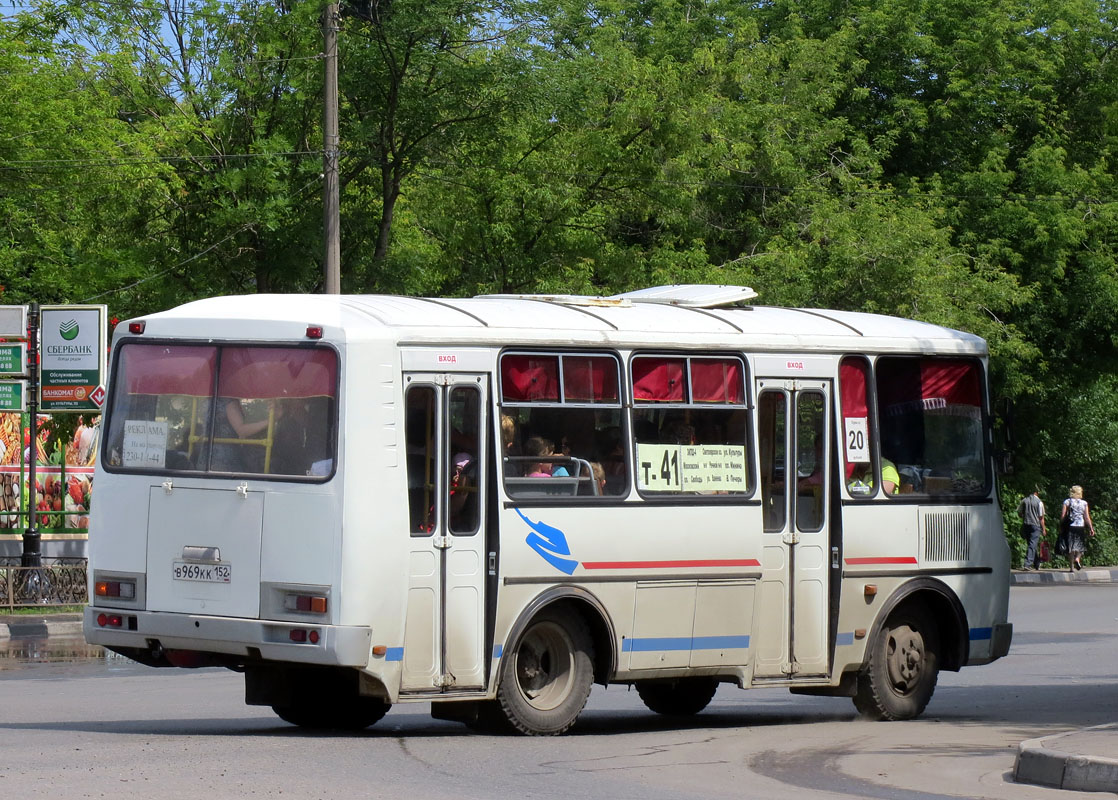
x=491, y=504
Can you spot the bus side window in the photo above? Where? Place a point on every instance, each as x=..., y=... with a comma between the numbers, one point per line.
x=568, y=404
x=689, y=422
x=462, y=480
x=857, y=431
x=421, y=435
x=771, y=427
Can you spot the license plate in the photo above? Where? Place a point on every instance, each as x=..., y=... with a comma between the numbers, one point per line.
x=204, y=573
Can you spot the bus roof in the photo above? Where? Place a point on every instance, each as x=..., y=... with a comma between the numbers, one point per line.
x=700, y=317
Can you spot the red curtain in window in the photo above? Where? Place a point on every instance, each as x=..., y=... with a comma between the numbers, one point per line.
x=525, y=378
x=658, y=380
x=271, y=372
x=716, y=380
x=853, y=380
x=853, y=375
x=168, y=369
x=590, y=379
x=945, y=383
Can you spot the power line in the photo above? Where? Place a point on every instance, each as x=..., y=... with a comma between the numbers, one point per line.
x=160, y=274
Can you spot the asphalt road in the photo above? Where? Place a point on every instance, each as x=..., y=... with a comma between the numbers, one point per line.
x=104, y=727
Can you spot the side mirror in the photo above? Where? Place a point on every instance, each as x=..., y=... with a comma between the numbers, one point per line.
x=1003, y=462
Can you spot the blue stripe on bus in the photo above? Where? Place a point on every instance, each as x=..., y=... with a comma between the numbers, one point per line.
x=978, y=634
x=653, y=644
x=498, y=650
x=844, y=639
x=394, y=654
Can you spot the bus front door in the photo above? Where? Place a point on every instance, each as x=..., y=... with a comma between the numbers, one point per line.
x=791, y=623
x=444, y=630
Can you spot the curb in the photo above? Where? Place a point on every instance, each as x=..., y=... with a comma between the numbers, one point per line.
x=1044, y=576
x=40, y=627
x=1041, y=762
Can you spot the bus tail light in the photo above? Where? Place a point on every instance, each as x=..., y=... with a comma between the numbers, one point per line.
x=125, y=590
x=136, y=327
x=310, y=603
x=302, y=635
x=110, y=621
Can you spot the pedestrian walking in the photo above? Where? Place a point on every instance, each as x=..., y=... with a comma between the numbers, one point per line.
x=1031, y=511
x=1075, y=517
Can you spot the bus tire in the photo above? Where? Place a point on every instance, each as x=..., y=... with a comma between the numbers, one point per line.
x=900, y=676
x=679, y=698
x=354, y=714
x=545, y=679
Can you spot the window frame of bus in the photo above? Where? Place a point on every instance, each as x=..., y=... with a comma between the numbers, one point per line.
x=332, y=420
x=977, y=374
x=869, y=400
x=690, y=404
x=559, y=400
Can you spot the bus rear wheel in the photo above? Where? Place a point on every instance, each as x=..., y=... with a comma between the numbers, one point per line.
x=353, y=715
x=545, y=679
x=900, y=677
x=680, y=698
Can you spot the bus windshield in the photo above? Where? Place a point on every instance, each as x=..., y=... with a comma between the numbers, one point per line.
x=223, y=409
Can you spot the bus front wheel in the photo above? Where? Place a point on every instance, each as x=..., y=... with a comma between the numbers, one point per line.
x=545, y=679
x=900, y=676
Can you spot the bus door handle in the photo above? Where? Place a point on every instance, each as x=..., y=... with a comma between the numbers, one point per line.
x=242, y=490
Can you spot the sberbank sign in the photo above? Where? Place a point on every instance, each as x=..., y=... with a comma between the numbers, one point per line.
x=72, y=357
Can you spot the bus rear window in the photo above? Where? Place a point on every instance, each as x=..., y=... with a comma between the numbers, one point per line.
x=223, y=409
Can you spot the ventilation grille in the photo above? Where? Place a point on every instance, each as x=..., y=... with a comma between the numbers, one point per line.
x=947, y=536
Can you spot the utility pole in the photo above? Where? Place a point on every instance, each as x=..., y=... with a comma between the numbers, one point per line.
x=330, y=191
x=32, y=539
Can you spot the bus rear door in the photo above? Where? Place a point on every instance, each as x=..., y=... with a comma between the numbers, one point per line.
x=445, y=618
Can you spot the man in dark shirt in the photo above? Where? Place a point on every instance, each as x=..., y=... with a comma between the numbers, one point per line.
x=1031, y=511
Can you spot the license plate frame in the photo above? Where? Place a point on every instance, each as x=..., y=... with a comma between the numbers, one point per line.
x=194, y=572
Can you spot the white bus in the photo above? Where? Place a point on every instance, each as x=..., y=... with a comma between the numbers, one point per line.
x=491, y=504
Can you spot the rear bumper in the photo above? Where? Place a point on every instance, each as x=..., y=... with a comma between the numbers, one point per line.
x=252, y=639
x=994, y=644
x=1001, y=638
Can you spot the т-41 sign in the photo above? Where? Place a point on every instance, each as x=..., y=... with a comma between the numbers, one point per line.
x=72, y=358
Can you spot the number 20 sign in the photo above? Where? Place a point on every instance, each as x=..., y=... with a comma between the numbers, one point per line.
x=857, y=439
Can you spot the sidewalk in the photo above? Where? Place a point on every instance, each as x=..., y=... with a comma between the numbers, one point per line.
x=1085, y=760
x=1019, y=577
x=35, y=626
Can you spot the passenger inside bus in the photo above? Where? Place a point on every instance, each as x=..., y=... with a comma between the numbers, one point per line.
x=861, y=483
x=538, y=450
x=232, y=423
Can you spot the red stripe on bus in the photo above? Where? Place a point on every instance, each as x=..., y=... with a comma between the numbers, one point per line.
x=882, y=560
x=730, y=562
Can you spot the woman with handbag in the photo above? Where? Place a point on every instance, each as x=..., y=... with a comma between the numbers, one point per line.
x=1075, y=515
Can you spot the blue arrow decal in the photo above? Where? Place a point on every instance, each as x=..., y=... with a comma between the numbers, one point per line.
x=550, y=543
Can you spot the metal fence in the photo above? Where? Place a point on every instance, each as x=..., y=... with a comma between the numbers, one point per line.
x=58, y=582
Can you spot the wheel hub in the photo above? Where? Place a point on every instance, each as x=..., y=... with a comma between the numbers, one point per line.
x=905, y=658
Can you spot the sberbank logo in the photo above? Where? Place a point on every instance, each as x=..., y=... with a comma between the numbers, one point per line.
x=68, y=330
